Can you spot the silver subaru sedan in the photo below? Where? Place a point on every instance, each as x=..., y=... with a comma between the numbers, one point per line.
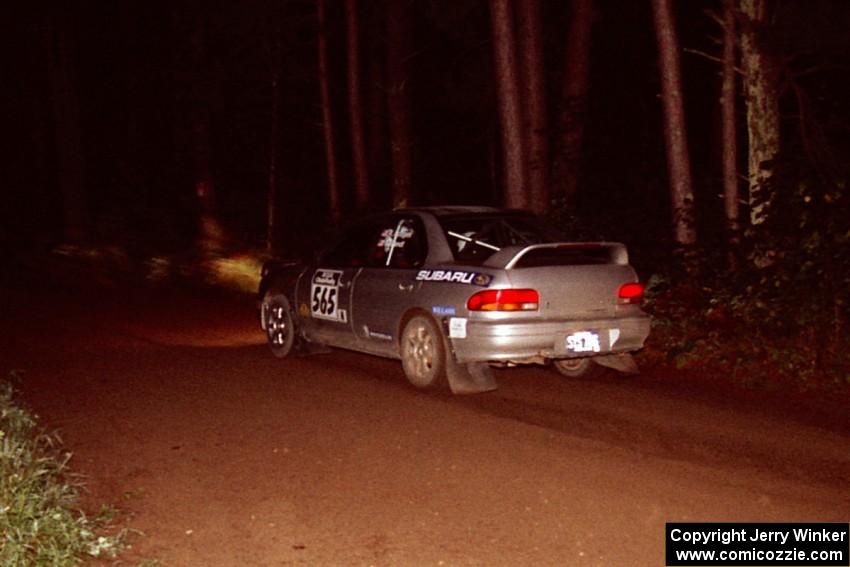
x=452, y=291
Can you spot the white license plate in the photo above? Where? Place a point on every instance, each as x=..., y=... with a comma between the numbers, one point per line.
x=583, y=341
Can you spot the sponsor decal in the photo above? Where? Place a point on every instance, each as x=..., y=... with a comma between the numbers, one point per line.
x=457, y=327
x=613, y=335
x=454, y=276
x=443, y=310
x=327, y=277
x=380, y=336
x=388, y=241
x=394, y=238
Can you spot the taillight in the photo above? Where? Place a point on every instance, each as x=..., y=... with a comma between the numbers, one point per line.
x=630, y=293
x=504, y=300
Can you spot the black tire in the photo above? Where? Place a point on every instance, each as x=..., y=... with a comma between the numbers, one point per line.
x=584, y=368
x=280, y=328
x=423, y=354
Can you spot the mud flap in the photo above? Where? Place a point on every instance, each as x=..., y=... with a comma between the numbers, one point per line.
x=622, y=362
x=470, y=378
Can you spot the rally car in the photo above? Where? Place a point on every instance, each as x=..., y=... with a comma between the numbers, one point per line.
x=452, y=291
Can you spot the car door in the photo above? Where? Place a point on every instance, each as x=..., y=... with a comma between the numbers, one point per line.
x=384, y=289
x=325, y=294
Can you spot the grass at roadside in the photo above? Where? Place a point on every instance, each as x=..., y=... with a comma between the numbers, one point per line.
x=40, y=519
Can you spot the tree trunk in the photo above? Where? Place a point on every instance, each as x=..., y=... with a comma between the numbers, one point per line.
x=566, y=165
x=675, y=136
x=327, y=117
x=131, y=169
x=534, y=91
x=271, y=198
x=507, y=93
x=377, y=133
x=762, y=101
x=66, y=117
x=729, y=140
x=355, y=104
x=211, y=234
x=398, y=101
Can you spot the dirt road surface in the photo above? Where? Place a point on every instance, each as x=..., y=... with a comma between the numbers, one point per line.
x=226, y=456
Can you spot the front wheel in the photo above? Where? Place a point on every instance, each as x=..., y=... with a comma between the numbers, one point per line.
x=280, y=329
x=423, y=355
x=578, y=367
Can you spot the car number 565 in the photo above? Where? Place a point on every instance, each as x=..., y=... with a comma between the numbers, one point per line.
x=324, y=301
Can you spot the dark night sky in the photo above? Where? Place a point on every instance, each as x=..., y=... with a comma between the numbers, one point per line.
x=135, y=85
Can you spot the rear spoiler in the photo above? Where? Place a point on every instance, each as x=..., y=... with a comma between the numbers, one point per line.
x=559, y=254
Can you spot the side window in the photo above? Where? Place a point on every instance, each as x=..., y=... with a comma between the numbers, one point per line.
x=414, y=248
x=401, y=243
x=353, y=249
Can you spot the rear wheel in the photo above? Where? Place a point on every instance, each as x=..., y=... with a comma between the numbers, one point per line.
x=280, y=329
x=423, y=355
x=578, y=367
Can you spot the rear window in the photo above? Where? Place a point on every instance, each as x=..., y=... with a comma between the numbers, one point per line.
x=474, y=238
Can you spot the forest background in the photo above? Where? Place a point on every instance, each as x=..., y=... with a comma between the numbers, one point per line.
x=709, y=136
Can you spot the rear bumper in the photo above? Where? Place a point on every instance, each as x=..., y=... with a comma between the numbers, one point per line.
x=505, y=341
